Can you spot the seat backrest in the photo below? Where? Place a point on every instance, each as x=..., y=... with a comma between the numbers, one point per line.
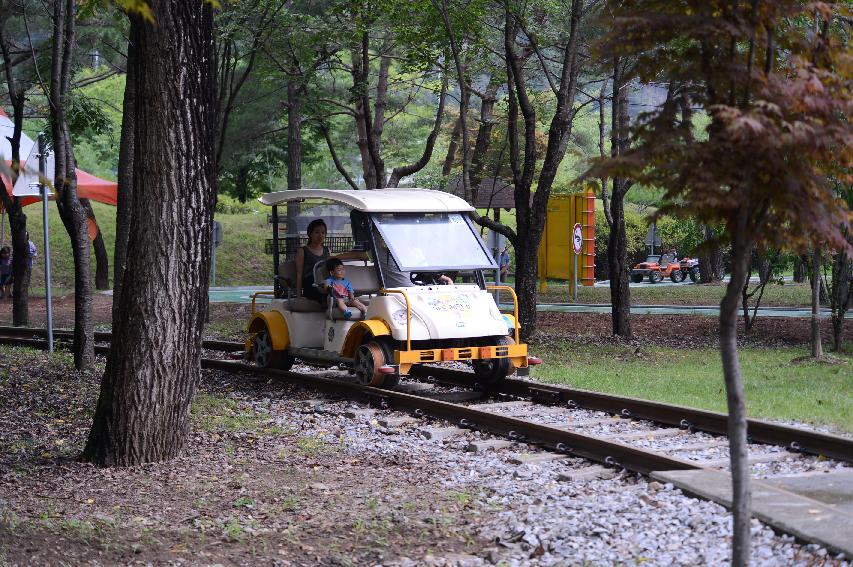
x=364, y=279
x=287, y=273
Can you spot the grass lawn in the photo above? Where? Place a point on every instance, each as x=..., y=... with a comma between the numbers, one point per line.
x=789, y=294
x=776, y=387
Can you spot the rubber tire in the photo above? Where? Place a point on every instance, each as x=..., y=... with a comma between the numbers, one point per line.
x=368, y=358
x=694, y=274
x=677, y=276
x=266, y=357
x=636, y=278
x=491, y=371
x=655, y=277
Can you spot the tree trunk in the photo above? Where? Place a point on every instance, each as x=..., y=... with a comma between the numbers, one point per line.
x=817, y=346
x=452, y=147
x=294, y=136
x=152, y=371
x=484, y=135
x=526, y=271
x=840, y=296
x=617, y=248
x=617, y=265
x=21, y=270
x=71, y=211
x=800, y=270
x=17, y=219
x=711, y=260
x=736, y=403
x=124, y=214
x=102, y=261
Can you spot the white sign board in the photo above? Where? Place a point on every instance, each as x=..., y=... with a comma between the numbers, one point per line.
x=577, y=238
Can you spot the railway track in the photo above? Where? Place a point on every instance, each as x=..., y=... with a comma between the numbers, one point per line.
x=615, y=432
x=620, y=409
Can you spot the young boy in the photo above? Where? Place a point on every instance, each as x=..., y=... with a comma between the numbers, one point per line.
x=341, y=288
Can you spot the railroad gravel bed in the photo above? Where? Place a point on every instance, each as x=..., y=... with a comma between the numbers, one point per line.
x=535, y=519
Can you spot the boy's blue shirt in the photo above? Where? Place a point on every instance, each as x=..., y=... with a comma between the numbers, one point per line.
x=340, y=288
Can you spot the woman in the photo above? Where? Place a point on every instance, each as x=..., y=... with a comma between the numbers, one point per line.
x=316, y=251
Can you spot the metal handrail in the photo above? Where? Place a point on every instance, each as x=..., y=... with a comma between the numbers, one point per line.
x=514, y=303
x=408, y=314
x=256, y=294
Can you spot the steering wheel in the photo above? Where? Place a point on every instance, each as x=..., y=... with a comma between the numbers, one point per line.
x=425, y=278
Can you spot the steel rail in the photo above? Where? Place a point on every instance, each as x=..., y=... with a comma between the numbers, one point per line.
x=105, y=336
x=560, y=440
x=556, y=439
x=759, y=431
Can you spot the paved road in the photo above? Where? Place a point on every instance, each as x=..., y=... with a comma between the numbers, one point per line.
x=244, y=295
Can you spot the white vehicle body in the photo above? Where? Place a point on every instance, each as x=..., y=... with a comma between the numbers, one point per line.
x=412, y=236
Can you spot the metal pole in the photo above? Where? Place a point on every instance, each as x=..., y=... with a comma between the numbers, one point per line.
x=575, y=274
x=43, y=191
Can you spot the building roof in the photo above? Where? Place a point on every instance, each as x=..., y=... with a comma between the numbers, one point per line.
x=377, y=200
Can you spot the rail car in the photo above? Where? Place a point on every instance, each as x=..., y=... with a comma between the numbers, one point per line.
x=412, y=240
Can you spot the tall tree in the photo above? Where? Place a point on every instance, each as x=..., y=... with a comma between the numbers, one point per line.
x=778, y=101
x=520, y=40
x=16, y=86
x=617, y=240
x=71, y=211
x=152, y=369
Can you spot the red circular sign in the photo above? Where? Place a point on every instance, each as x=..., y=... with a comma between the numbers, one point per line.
x=577, y=238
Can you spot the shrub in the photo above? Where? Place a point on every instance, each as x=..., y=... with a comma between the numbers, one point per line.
x=227, y=205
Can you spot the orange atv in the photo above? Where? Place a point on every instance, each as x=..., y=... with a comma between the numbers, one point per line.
x=656, y=267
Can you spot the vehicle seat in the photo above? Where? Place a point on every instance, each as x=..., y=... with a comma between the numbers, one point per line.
x=364, y=282
x=287, y=279
x=665, y=260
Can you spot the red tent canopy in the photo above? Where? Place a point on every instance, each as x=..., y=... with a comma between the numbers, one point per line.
x=88, y=186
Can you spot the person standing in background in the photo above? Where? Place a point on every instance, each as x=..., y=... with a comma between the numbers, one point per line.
x=33, y=251
x=503, y=262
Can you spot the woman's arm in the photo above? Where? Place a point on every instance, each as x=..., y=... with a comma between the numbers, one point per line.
x=300, y=264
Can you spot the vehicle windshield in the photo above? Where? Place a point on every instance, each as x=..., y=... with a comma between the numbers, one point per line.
x=432, y=241
x=652, y=259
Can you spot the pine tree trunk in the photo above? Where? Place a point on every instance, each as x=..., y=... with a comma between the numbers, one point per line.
x=152, y=371
x=736, y=403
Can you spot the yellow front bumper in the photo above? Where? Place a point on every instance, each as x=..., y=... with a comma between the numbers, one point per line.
x=517, y=355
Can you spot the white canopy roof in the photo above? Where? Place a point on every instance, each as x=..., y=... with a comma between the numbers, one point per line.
x=378, y=200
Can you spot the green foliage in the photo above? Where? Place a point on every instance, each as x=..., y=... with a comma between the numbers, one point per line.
x=96, y=125
x=227, y=205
